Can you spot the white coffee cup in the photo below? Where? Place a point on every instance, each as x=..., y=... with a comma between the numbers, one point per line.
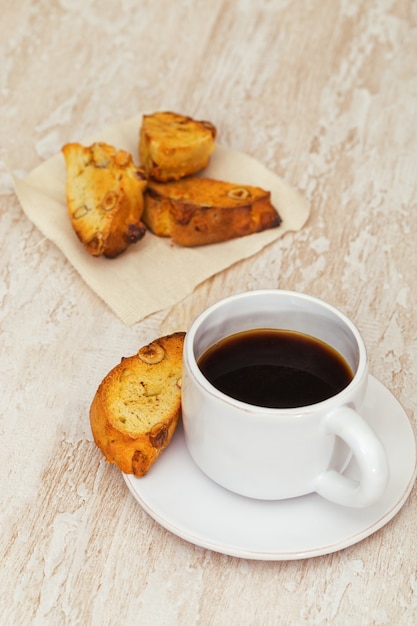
x=273, y=453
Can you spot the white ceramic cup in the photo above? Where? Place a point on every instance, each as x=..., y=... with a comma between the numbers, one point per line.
x=269, y=453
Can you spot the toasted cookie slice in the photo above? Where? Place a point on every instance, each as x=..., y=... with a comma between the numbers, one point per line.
x=136, y=408
x=105, y=197
x=197, y=211
x=172, y=146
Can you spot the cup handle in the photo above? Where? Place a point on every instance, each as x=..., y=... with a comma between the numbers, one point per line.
x=370, y=456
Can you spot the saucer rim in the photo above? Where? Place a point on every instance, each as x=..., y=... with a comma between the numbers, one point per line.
x=134, y=485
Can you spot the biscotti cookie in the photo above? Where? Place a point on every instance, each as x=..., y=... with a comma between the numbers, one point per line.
x=136, y=408
x=197, y=211
x=172, y=146
x=105, y=197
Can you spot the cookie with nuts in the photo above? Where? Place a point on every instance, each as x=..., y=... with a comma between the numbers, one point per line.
x=172, y=145
x=197, y=211
x=104, y=190
x=136, y=408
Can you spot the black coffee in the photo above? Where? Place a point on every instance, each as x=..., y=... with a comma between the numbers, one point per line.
x=275, y=368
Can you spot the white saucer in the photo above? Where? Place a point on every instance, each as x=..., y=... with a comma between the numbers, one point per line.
x=183, y=500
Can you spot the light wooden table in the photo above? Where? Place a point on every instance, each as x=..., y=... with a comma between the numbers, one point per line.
x=324, y=93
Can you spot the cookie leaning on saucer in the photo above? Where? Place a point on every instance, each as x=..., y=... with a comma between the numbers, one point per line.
x=136, y=407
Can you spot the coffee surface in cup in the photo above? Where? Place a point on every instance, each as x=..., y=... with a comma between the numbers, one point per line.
x=275, y=368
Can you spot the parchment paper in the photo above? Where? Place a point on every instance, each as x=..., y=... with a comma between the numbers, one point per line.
x=152, y=274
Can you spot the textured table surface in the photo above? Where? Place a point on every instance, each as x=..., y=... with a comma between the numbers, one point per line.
x=325, y=95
